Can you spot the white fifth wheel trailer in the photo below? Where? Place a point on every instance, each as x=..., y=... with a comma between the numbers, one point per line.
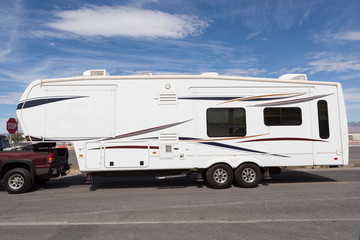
x=219, y=126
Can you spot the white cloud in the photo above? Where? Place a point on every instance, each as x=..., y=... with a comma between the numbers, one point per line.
x=3, y=126
x=265, y=15
x=352, y=76
x=294, y=70
x=4, y=53
x=352, y=102
x=244, y=72
x=331, y=37
x=352, y=95
x=10, y=21
x=350, y=36
x=327, y=62
x=10, y=97
x=124, y=21
x=52, y=34
x=333, y=62
x=340, y=26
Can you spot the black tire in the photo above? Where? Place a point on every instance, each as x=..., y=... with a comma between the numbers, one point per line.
x=220, y=176
x=17, y=180
x=248, y=175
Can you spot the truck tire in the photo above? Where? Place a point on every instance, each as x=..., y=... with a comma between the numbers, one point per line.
x=220, y=176
x=248, y=175
x=17, y=180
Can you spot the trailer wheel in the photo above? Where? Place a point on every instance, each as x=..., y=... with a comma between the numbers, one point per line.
x=17, y=180
x=248, y=175
x=220, y=176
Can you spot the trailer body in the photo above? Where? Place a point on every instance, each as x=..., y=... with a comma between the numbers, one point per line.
x=189, y=122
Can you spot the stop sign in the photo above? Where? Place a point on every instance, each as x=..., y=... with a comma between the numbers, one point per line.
x=11, y=125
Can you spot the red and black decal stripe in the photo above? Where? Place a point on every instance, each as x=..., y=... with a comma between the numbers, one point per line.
x=147, y=130
x=130, y=147
x=298, y=100
x=231, y=147
x=127, y=147
x=41, y=101
x=283, y=139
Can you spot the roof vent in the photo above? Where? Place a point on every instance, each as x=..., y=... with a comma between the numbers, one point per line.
x=98, y=72
x=210, y=74
x=146, y=74
x=301, y=77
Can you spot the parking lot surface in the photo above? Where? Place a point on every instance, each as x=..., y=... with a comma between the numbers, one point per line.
x=297, y=204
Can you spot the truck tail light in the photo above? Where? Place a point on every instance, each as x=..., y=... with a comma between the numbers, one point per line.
x=51, y=158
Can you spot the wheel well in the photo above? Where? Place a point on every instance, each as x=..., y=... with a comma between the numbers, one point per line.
x=10, y=166
x=261, y=168
x=273, y=170
x=205, y=169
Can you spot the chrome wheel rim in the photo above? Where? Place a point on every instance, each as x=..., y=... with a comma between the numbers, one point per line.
x=248, y=175
x=220, y=175
x=16, y=181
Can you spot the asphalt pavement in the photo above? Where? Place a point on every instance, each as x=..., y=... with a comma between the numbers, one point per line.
x=296, y=204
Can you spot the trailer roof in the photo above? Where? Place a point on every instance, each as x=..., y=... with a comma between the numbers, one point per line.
x=211, y=76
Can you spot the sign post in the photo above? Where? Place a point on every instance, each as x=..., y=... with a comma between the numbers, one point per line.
x=11, y=127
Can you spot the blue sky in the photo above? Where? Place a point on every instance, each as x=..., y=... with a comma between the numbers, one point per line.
x=258, y=38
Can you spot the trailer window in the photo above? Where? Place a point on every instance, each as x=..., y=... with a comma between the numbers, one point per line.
x=323, y=116
x=226, y=122
x=282, y=116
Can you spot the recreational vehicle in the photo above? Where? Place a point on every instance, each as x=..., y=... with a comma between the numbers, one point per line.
x=221, y=127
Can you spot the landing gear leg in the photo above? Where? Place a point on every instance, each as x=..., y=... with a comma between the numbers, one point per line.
x=89, y=178
x=267, y=174
x=200, y=177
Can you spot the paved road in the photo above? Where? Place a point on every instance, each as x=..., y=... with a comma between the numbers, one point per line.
x=307, y=204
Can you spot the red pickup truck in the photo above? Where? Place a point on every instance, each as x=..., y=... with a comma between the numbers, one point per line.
x=21, y=168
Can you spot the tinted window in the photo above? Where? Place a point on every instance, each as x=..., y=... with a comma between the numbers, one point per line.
x=282, y=116
x=226, y=122
x=323, y=119
x=4, y=142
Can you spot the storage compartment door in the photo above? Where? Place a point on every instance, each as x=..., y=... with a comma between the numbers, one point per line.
x=93, y=155
x=126, y=155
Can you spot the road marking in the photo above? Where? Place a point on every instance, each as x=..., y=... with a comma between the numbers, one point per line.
x=8, y=224
x=306, y=182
